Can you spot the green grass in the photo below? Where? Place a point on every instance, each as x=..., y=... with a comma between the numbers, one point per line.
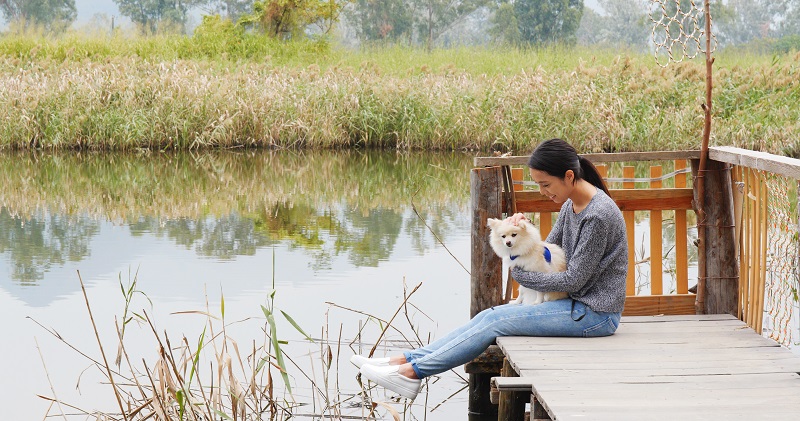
x=225, y=88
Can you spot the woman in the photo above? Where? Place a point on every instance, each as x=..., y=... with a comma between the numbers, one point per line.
x=591, y=230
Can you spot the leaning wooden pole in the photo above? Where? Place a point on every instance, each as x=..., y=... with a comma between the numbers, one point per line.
x=701, y=174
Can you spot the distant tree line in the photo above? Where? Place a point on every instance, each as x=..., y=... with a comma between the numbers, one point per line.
x=436, y=22
x=53, y=15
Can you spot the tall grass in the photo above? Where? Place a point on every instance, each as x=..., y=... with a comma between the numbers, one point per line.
x=223, y=88
x=218, y=376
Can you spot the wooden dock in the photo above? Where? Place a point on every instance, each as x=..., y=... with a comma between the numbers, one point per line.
x=665, y=361
x=693, y=367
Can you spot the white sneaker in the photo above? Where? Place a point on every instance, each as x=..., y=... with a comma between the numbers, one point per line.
x=359, y=361
x=389, y=378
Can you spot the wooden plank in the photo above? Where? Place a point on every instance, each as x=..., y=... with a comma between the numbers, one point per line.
x=488, y=161
x=666, y=394
x=643, y=305
x=675, y=355
x=784, y=365
x=630, y=234
x=545, y=223
x=518, y=384
x=627, y=200
x=789, y=167
x=667, y=319
x=681, y=237
x=567, y=382
x=603, y=413
x=656, y=240
x=699, y=341
x=762, y=257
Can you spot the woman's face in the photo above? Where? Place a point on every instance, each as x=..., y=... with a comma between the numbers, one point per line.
x=557, y=189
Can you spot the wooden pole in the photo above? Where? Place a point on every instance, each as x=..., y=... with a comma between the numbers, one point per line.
x=701, y=172
x=486, y=195
x=511, y=405
x=486, y=279
x=719, y=255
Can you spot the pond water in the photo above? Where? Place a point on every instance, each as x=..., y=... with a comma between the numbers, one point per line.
x=333, y=234
x=334, y=240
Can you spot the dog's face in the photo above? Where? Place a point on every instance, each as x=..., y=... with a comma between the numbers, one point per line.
x=508, y=239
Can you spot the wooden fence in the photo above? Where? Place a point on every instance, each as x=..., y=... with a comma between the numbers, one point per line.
x=654, y=199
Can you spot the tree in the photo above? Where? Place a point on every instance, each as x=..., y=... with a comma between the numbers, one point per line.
x=504, y=26
x=790, y=26
x=621, y=23
x=390, y=20
x=439, y=15
x=232, y=9
x=747, y=20
x=540, y=21
x=414, y=21
x=53, y=15
x=287, y=19
x=154, y=15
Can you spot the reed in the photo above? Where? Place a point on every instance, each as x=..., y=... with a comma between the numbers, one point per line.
x=199, y=92
x=216, y=378
x=213, y=378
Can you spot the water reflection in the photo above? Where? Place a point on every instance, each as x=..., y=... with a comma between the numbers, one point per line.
x=226, y=205
x=37, y=243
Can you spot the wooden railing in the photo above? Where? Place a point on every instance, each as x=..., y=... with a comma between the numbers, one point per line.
x=756, y=213
x=655, y=199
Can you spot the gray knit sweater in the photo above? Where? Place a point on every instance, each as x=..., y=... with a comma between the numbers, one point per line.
x=597, y=256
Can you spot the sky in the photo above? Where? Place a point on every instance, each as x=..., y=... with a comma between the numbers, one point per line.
x=88, y=8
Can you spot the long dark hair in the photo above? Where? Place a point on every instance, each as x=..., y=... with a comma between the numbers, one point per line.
x=556, y=156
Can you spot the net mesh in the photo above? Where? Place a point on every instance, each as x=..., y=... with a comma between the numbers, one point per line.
x=678, y=30
x=780, y=299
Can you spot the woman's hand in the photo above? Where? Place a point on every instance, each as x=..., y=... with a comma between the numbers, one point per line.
x=516, y=218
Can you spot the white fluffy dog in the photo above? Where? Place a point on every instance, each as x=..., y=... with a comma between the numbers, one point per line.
x=522, y=245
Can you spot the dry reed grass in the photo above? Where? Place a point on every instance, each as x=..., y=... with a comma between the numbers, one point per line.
x=602, y=103
x=214, y=378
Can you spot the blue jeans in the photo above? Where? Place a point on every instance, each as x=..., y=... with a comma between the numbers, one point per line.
x=565, y=317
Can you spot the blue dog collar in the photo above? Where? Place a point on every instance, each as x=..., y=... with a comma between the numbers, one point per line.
x=547, y=256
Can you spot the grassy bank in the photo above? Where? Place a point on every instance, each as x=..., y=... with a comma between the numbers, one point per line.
x=188, y=93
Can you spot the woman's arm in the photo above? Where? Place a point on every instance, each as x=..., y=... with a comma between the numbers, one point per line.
x=583, y=264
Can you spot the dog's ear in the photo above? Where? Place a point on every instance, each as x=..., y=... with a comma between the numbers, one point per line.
x=492, y=222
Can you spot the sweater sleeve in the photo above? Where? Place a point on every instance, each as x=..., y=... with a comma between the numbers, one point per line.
x=581, y=267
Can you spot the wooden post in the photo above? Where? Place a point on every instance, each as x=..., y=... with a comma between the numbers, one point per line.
x=486, y=195
x=656, y=239
x=486, y=279
x=511, y=405
x=722, y=268
x=630, y=233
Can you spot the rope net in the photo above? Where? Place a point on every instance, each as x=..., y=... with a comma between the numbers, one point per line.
x=780, y=299
x=678, y=30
